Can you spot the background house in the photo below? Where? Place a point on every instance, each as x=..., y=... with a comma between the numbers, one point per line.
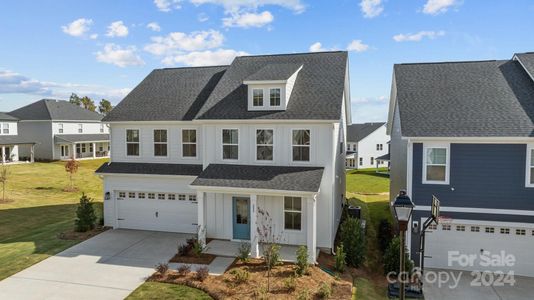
x=11, y=141
x=62, y=130
x=365, y=143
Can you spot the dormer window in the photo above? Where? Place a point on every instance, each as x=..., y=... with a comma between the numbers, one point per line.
x=257, y=97
x=274, y=97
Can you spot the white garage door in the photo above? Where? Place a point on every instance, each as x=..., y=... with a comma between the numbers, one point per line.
x=157, y=211
x=470, y=245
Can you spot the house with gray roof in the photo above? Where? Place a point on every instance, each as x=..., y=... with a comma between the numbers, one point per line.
x=365, y=143
x=218, y=148
x=60, y=130
x=11, y=141
x=463, y=132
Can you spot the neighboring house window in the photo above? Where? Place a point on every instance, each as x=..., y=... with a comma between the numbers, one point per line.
x=274, y=96
x=60, y=128
x=361, y=161
x=372, y=160
x=292, y=213
x=91, y=147
x=160, y=142
x=379, y=147
x=189, y=143
x=348, y=147
x=80, y=128
x=301, y=145
x=257, y=97
x=530, y=166
x=101, y=128
x=78, y=148
x=230, y=141
x=264, y=144
x=132, y=142
x=84, y=148
x=6, y=128
x=353, y=147
x=435, y=169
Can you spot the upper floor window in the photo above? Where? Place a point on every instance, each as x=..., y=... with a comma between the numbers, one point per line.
x=101, y=128
x=436, y=164
x=257, y=97
x=5, y=129
x=160, y=142
x=361, y=161
x=379, y=147
x=292, y=213
x=264, y=144
x=348, y=147
x=372, y=160
x=230, y=142
x=530, y=166
x=132, y=142
x=353, y=147
x=80, y=128
x=189, y=143
x=274, y=97
x=301, y=145
x=60, y=128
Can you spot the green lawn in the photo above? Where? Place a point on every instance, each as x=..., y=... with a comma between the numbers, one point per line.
x=162, y=291
x=39, y=210
x=366, y=181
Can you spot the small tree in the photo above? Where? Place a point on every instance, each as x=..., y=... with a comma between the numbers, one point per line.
x=269, y=241
x=104, y=107
x=4, y=176
x=353, y=239
x=385, y=234
x=71, y=167
x=302, y=260
x=340, y=259
x=85, y=215
x=392, y=258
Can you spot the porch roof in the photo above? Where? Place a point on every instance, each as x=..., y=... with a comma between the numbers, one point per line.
x=149, y=168
x=14, y=140
x=80, y=138
x=301, y=179
x=384, y=157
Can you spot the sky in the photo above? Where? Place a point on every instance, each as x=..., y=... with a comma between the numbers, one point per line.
x=103, y=49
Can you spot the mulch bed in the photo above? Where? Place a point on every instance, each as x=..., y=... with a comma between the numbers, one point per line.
x=81, y=236
x=202, y=259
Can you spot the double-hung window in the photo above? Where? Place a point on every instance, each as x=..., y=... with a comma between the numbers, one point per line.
x=264, y=144
x=230, y=143
x=301, y=144
x=379, y=147
x=101, y=128
x=292, y=213
x=274, y=97
x=60, y=128
x=189, y=143
x=160, y=142
x=80, y=128
x=530, y=166
x=132, y=142
x=436, y=164
x=257, y=97
x=5, y=129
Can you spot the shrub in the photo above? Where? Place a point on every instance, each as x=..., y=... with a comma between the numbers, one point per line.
x=385, y=234
x=183, y=249
x=202, y=273
x=290, y=283
x=302, y=260
x=184, y=269
x=392, y=258
x=85, y=215
x=340, y=259
x=272, y=255
x=325, y=291
x=304, y=294
x=243, y=252
x=198, y=247
x=353, y=239
x=191, y=241
x=240, y=275
x=162, y=268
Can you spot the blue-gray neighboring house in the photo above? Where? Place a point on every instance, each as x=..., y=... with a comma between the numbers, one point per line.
x=464, y=132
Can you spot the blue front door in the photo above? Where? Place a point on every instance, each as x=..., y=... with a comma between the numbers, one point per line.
x=241, y=218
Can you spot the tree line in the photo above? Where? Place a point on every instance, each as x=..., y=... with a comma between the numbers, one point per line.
x=104, y=107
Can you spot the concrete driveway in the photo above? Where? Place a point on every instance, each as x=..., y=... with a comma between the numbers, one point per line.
x=523, y=287
x=108, y=266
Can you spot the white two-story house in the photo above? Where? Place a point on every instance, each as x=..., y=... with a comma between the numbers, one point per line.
x=62, y=130
x=210, y=147
x=11, y=142
x=367, y=145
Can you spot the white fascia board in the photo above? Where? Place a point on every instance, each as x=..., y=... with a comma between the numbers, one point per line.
x=474, y=140
x=225, y=121
x=253, y=82
x=222, y=189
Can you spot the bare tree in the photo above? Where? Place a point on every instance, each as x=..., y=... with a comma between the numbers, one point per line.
x=4, y=176
x=71, y=167
x=269, y=242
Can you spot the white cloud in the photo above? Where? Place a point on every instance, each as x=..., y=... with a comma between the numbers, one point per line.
x=317, y=47
x=117, y=29
x=154, y=26
x=371, y=8
x=436, y=7
x=416, y=37
x=202, y=17
x=178, y=41
x=204, y=58
x=78, y=28
x=121, y=57
x=93, y=36
x=167, y=5
x=238, y=5
x=358, y=46
x=248, y=19
x=369, y=109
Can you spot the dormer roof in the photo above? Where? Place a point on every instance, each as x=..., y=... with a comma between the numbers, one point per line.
x=274, y=72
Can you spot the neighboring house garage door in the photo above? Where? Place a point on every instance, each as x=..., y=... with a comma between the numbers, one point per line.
x=171, y=212
x=482, y=242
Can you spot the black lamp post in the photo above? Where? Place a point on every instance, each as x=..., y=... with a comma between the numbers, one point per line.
x=403, y=207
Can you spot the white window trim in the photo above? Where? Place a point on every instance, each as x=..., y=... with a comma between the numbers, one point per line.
x=60, y=127
x=223, y=144
x=447, y=146
x=527, y=166
x=126, y=142
x=4, y=127
x=159, y=143
x=300, y=162
x=280, y=97
x=301, y=211
x=188, y=143
x=256, y=146
x=262, y=97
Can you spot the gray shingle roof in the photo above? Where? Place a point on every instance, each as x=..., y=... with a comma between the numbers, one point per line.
x=303, y=179
x=49, y=109
x=168, y=94
x=14, y=140
x=75, y=138
x=527, y=60
x=7, y=117
x=275, y=72
x=149, y=168
x=465, y=99
x=356, y=132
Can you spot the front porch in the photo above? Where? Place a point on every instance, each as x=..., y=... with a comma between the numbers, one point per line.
x=80, y=146
x=9, y=150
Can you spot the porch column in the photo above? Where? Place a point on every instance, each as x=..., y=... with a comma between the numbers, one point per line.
x=94, y=150
x=254, y=243
x=73, y=150
x=201, y=220
x=3, y=154
x=32, y=153
x=311, y=228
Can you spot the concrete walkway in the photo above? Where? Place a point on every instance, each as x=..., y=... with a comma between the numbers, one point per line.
x=108, y=266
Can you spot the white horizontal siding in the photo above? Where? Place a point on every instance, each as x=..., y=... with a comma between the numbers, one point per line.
x=72, y=128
